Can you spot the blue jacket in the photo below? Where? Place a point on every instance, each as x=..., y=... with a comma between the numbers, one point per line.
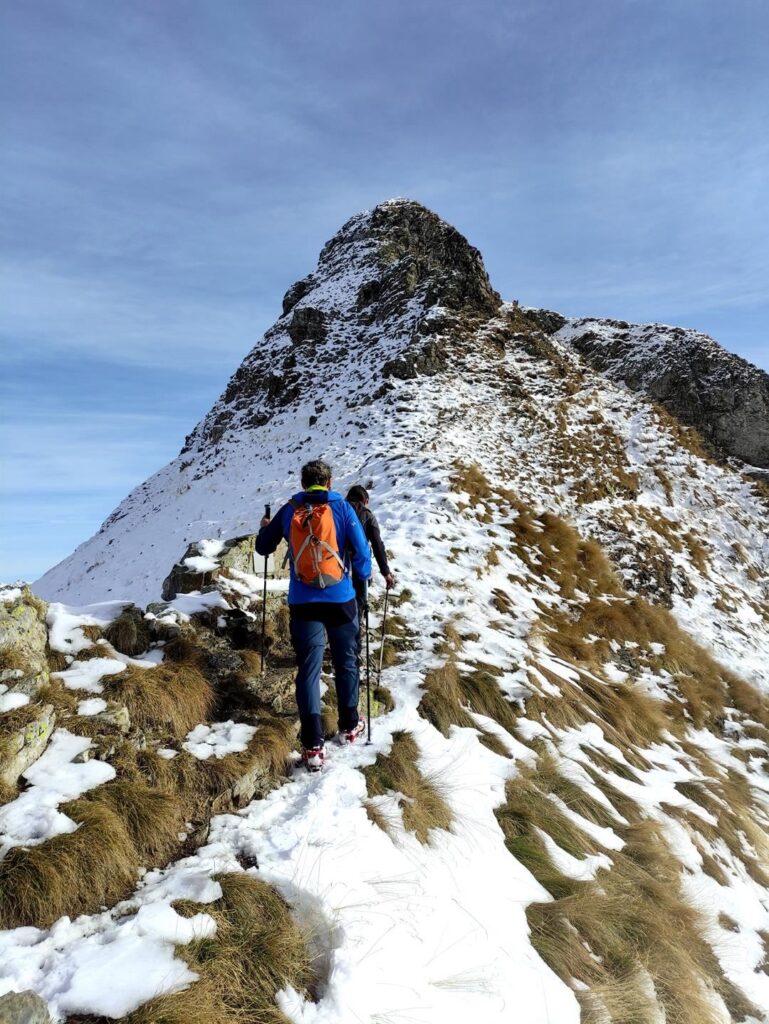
x=349, y=535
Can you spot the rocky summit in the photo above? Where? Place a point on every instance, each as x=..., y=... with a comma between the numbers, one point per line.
x=563, y=811
x=398, y=294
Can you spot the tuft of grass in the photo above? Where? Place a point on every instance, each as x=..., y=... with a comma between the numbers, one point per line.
x=136, y=820
x=384, y=698
x=448, y=694
x=398, y=772
x=129, y=633
x=12, y=661
x=57, y=660
x=257, y=950
x=634, y=918
x=172, y=696
x=69, y=874
x=442, y=702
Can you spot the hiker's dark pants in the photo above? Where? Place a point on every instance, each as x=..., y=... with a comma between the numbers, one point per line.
x=309, y=639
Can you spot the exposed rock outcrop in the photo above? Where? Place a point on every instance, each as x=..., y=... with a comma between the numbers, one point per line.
x=23, y=641
x=383, y=275
x=206, y=562
x=22, y=747
x=725, y=397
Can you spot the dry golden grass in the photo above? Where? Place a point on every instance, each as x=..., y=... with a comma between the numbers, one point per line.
x=173, y=696
x=63, y=699
x=442, y=702
x=686, y=437
x=57, y=661
x=268, y=754
x=448, y=693
x=69, y=874
x=398, y=772
x=588, y=632
x=129, y=633
x=632, y=918
x=472, y=481
x=12, y=661
x=384, y=698
x=133, y=821
x=258, y=949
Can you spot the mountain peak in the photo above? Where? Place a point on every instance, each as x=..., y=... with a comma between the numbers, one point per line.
x=406, y=250
x=389, y=279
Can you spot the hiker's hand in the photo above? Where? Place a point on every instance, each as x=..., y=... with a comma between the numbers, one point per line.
x=265, y=522
x=389, y=580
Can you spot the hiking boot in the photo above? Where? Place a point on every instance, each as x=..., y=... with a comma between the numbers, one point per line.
x=313, y=758
x=351, y=735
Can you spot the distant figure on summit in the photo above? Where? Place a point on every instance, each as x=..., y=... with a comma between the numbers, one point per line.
x=358, y=497
x=321, y=529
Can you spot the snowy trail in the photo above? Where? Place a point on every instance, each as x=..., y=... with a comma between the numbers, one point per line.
x=432, y=932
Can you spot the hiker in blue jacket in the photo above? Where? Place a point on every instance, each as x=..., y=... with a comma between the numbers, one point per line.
x=319, y=526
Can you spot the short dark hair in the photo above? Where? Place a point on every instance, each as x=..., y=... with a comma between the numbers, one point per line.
x=358, y=493
x=316, y=473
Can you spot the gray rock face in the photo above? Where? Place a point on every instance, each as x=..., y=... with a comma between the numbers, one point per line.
x=21, y=749
x=23, y=1008
x=692, y=376
x=23, y=640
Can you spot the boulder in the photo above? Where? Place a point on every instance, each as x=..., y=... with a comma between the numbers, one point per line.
x=23, y=747
x=115, y=717
x=276, y=690
x=199, y=571
x=23, y=1008
x=23, y=642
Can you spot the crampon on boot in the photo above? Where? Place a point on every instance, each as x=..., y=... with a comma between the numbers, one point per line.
x=313, y=758
x=351, y=735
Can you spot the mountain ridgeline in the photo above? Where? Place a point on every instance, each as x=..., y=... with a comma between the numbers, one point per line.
x=397, y=294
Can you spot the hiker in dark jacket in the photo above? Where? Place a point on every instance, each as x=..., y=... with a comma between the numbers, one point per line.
x=321, y=527
x=358, y=497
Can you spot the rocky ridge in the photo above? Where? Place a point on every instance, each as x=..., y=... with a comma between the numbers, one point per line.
x=725, y=397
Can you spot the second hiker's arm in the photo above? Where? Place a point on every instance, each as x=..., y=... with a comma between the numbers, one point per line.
x=356, y=539
x=377, y=546
x=270, y=536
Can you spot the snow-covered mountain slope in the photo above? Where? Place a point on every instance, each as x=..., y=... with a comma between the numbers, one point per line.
x=396, y=293
x=581, y=680
x=725, y=397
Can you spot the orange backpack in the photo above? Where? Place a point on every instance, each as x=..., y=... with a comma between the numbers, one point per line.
x=312, y=544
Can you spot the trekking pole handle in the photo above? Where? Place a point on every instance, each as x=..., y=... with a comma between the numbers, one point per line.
x=267, y=514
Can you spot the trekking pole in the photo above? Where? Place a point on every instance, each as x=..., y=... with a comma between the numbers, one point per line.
x=264, y=595
x=381, y=646
x=368, y=670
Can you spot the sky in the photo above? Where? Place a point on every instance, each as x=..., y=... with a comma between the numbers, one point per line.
x=168, y=169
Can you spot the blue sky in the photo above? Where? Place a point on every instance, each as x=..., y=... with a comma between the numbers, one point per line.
x=169, y=168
